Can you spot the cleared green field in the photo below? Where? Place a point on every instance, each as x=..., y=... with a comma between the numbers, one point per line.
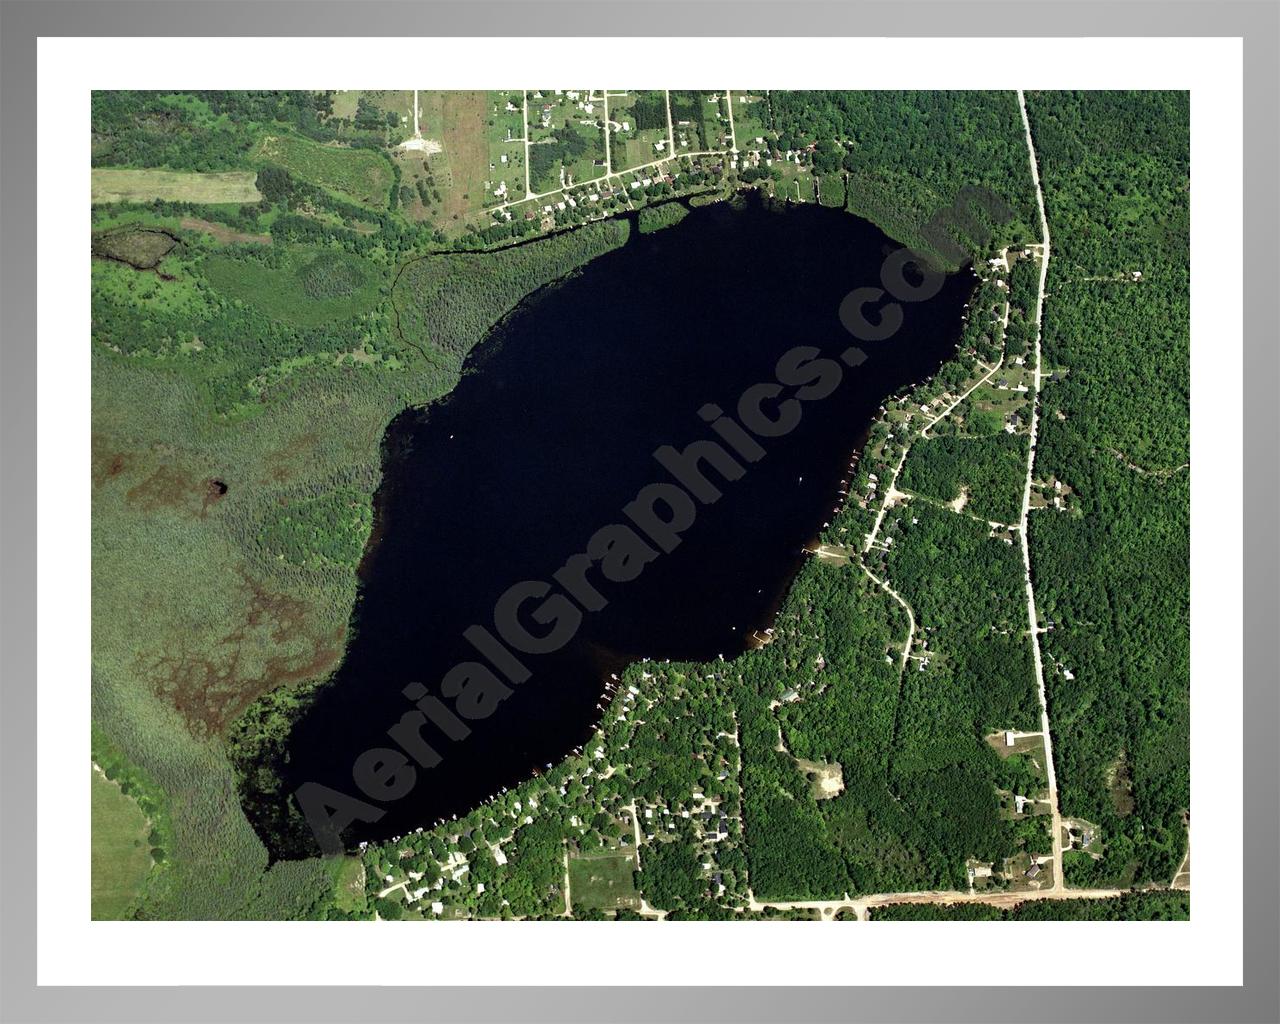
x=305, y=286
x=120, y=185
x=603, y=883
x=640, y=129
x=750, y=116
x=121, y=856
x=361, y=174
x=348, y=885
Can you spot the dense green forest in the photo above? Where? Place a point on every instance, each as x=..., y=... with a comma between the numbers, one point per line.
x=919, y=784
x=966, y=588
x=908, y=154
x=1112, y=572
x=1133, y=906
x=1024, y=282
x=988, y=471
x=655, y=218
x=452, y=300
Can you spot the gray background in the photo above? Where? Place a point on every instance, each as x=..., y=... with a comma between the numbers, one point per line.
x=1257, y=22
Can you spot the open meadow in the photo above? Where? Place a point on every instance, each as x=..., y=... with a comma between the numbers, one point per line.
x=128, y=185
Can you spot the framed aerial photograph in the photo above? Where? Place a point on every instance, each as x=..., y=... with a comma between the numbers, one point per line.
x=609, y=519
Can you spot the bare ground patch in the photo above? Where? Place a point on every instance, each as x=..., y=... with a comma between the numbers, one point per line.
x=1120, y=785
x=826, y=780
x=222, y=233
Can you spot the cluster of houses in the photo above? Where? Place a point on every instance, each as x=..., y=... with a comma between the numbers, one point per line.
x=587, y=197
x=583, y=103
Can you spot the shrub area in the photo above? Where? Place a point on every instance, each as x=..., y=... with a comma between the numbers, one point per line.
x=451, y=300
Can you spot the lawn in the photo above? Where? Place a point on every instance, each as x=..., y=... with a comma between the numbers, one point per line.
x=505, y=129
x=694, y=122
x=638, y=123
x=506, y=167
x=120, y=853
x=715, y=120
x=605, y=882
x=567, y=141
x=750, y=120
x=360, y=174
x=121, y=185
x=506, y=115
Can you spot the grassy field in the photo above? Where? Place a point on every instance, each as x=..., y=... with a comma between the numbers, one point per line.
x=693, y=121
x=458, y=121
x=632, y=145
x=121, y=855
x=348, y=885
x=120, y=185
x=567, y=143
x=360, y=174
x=222, y=233
x=750, y=120
x=304, y=286
x=505, y=127
x=603, y=883
x=344, y=102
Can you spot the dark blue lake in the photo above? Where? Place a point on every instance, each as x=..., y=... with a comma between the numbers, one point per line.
x=551, y=432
